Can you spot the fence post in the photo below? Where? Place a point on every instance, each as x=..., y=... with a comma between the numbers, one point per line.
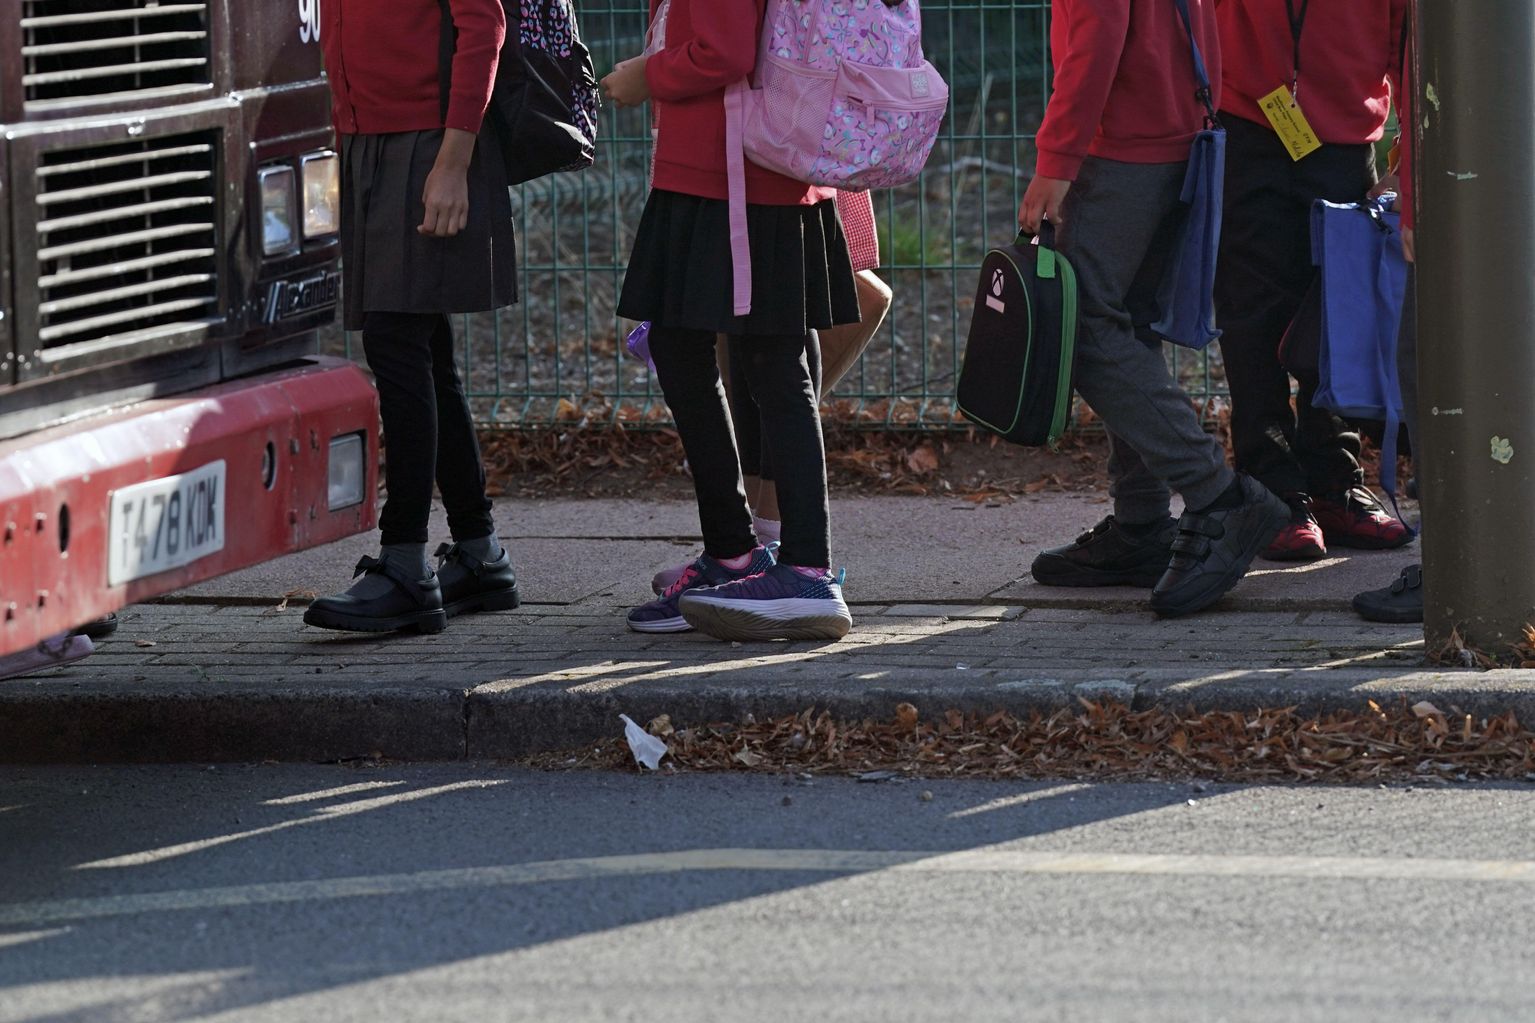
x=1474, y=100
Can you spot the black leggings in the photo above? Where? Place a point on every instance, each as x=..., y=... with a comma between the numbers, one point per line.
x=756, y=449
x=777, y=370
x=428, y=429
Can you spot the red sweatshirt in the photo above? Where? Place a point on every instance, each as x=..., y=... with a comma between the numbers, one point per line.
x=709, y=45
x=1348, y=49
x=1401, y=91
x=381, y=56
x=1124, y=82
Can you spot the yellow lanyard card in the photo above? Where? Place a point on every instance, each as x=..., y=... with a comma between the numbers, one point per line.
x=1289, y=123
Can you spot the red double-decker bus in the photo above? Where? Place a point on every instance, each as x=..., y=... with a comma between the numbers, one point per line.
x=169, y=211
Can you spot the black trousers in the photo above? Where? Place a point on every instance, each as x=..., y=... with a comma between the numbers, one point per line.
x=428, y=430
x=778, y=374
x=1264, y=273
x=755, y=447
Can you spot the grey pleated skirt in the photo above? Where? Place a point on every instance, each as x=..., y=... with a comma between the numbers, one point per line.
x=387, y=265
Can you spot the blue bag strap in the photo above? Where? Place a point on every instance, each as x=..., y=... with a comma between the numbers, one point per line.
x=1201, y=73
x=1386, y=367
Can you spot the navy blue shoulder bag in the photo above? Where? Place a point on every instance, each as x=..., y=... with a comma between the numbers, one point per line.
x=1185, y=300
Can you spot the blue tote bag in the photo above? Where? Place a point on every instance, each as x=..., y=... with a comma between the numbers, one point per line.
x=1186, y=296
x=1357, y=248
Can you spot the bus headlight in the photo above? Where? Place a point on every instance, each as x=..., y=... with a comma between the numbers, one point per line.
x=279, y=232
x=347, y=474
x=322, y=194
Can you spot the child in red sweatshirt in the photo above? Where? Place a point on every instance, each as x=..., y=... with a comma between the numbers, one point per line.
x=426, y=230
x=1113, y=151
x=1330, y=60
x=680, y=279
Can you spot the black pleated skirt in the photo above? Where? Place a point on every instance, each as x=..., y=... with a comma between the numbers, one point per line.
x=680, y=271
x=387, y=265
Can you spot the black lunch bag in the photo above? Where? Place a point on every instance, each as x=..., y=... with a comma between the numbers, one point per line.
x=1016, y=380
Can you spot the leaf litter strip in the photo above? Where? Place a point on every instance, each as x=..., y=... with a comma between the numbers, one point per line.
x=1101, y=741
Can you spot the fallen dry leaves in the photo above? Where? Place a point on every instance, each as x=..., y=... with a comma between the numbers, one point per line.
x=1455, y=652
x=599, y=450
x=1101, y=741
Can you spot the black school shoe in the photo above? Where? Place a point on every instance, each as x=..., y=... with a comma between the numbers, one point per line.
x=1107, y=555
x=100, y=629
x=409, y=604
x=1401, y=603
x=1213, y=551
x=469, y=584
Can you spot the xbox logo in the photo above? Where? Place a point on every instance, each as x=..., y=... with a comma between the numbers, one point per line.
x=996, y=283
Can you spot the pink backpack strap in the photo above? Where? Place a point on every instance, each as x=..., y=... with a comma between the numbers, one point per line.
x=735, y=169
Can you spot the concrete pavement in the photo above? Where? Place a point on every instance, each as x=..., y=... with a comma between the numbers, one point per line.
x=945, y=617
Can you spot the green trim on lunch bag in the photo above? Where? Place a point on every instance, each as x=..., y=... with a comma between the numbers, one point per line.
x=1068, y=349
x=1028, y=303
x=1044, y=265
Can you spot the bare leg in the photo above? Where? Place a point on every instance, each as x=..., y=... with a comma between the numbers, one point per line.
x=842, y=346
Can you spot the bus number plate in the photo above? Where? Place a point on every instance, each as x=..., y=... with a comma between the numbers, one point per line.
x=165, y=523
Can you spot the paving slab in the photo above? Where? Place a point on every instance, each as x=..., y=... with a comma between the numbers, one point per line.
x=240, y=682
x=896, y=550
x=945, y=617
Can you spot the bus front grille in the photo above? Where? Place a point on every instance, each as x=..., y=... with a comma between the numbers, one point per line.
x=127, y=238
x=109, y=51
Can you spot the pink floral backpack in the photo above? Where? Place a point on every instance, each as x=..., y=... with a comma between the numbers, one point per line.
x=841, y=97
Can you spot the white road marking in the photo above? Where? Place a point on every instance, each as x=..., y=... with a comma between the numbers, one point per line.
x=1013, y=802
x=25, y=937
x=344, y=790
x=323, y=813
x=802, y=861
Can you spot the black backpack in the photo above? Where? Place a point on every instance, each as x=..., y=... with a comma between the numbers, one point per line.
x=1016, y=380
x=545, y=100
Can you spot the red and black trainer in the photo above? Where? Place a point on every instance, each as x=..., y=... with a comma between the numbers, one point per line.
x=1301, y=539
x=1358, y=519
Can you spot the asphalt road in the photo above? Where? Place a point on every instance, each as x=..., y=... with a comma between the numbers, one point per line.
x=481, y=893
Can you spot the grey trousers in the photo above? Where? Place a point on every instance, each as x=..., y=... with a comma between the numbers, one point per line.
x=1119, y=225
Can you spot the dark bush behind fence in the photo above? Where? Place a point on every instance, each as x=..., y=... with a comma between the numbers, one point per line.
x=557, y=357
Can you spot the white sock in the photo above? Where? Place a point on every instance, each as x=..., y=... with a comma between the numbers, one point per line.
x=767, y=530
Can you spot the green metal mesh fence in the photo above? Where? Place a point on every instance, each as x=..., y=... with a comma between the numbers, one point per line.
x=558, y=356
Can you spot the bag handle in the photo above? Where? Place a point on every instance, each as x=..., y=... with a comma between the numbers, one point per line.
x=1045, y=254
x=735, y=175
x=1201, y=73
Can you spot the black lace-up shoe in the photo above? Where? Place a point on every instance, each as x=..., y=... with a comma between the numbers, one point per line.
x=1399, y=604
x=469, y=584
x=100, y=629
x=1108, y=555
x=1213, y=550
x=408, y=604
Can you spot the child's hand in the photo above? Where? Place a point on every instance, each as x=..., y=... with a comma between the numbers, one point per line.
x=446, y=198
x=1389, y=183
x=1042, y=200
x=446, y=195
x=626, y=85
x=1407, y=246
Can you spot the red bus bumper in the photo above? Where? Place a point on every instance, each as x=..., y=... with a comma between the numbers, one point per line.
x=273, y=433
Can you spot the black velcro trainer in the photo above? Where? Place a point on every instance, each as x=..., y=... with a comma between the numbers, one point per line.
x=469, y=584
x=1401, y=603
x=1108, y=555
x=407, y=604
x=1213, y=550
